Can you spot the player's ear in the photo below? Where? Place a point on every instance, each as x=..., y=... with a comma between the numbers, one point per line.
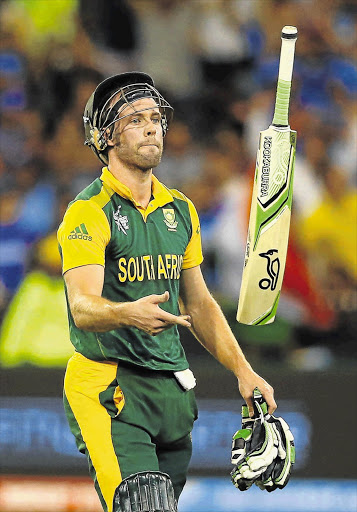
x=108, y=136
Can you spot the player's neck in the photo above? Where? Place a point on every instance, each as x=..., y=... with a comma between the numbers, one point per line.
x=138, y=181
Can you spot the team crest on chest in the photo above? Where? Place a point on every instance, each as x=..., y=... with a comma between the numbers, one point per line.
x=169, y=218
x=121, y=221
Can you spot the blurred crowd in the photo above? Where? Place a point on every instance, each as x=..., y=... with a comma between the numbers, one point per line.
x=216, y=61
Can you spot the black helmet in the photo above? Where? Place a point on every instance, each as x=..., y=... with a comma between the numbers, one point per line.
x=100, y=114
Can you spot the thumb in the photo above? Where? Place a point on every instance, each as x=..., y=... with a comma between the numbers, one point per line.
x=158, y=299
x=249, y=403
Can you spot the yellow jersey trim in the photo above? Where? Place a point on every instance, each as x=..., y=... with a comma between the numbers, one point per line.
x=161, y=195
x=85, y=232
x=103, y=197
x=193, y=255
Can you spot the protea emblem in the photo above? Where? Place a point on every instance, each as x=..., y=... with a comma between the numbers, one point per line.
x=169, y=218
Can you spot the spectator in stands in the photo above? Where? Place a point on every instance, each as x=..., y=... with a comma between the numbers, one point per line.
x=309, y=166
x=35, y=328
x=165, y=46
x=35, y=24
x=343, y=148
x=329, y=233
x=15, y=240
x=73, y=166
x=182, y=160
x=113, y=32
x=14, y=73
x=221, y=57
x=38, y=209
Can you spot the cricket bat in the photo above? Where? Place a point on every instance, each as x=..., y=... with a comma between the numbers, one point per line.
x=269, y=221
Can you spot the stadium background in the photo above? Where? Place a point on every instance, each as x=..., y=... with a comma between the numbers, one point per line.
x=216, y=61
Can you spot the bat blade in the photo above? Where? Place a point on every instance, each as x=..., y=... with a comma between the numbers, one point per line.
x=269, y=223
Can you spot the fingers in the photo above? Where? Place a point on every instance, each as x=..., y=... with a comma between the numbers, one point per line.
x=268, y=393
x=271, y=403
x=157, y=319
x=167, y=321
x=249, y=403
x=272, y=408
x=170, y=320
x=184, y=320
x=159, y=299
x=248, y=383
x=269, y=398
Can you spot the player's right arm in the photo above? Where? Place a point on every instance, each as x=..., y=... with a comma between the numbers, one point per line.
x=92, y=312
x=83, y=268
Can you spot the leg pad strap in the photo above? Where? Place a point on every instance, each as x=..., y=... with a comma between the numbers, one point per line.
x=148, y=491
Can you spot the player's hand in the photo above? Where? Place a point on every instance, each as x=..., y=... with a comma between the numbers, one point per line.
x=146, y=315
x=248, y=381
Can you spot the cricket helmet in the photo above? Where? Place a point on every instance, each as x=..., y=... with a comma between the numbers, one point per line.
x=101, y=112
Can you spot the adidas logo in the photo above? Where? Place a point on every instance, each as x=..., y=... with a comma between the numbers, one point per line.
x=80, y=232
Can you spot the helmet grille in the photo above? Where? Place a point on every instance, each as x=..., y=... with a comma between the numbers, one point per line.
x=109, y=111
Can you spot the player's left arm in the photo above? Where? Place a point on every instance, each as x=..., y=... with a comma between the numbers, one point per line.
x=211, y=328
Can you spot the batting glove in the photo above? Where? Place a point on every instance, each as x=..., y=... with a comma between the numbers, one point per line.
x=240, y=447
x=254, y=448
x=277, y=475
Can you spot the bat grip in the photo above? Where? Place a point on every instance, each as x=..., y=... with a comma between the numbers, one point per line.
x=281, y=111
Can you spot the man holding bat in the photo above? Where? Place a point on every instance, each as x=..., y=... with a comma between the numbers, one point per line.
x=267, y=438
x=131, y=253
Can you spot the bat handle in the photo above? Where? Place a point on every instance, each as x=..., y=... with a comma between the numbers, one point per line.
x=281, y=111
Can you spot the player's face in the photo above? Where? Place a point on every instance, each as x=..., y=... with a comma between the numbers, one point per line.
x=138, y=138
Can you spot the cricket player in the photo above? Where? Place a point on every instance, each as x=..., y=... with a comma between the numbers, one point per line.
x=131, y=254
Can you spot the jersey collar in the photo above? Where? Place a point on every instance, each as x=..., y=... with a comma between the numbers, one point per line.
x=161, y=195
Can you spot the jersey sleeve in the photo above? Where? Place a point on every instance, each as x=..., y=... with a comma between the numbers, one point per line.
x=193, y=254
x=83, y=235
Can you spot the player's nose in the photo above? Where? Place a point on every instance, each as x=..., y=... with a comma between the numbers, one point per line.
x=150, y=128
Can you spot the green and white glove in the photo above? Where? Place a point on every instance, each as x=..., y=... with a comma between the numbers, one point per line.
x=262, y=450
x=277, y=475
x=240, y=446
x=242, y=437
x=255, y=446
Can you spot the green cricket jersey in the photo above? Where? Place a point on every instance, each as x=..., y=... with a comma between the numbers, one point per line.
x=143, y=252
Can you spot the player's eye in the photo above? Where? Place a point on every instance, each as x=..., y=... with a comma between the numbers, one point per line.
x=156, y=120
x=135, y=120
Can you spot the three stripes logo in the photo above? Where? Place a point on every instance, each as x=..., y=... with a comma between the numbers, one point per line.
x=80, y=233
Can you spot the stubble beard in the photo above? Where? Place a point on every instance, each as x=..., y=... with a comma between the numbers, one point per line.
x=133, y=159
